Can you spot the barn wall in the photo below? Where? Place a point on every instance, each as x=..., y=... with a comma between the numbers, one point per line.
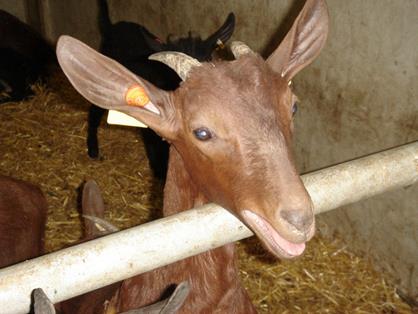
x=17, y=8
x=362, y=97
x=72, y=17
x=25, y=10
x=359, y=97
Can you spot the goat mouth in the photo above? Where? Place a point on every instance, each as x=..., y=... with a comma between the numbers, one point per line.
x=271, y=239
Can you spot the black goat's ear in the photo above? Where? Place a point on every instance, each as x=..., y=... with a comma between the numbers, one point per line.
x=109, y=85
x=304, y=40
x=223, y=33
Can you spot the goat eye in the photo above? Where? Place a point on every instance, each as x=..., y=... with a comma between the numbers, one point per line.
x=202, y=134
x=295, y=108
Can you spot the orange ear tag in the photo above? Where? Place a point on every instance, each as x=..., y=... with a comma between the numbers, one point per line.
x=136, y=96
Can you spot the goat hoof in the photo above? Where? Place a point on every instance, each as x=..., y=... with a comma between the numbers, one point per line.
x=93, y=153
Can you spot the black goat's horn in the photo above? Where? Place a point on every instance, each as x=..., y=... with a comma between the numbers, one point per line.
x=238, y=49
x=178, y=61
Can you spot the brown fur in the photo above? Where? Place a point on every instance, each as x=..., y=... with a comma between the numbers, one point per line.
x=213, y=275
x=23, y=212
x=95, y=301
x=246, y=166
x=248, y=87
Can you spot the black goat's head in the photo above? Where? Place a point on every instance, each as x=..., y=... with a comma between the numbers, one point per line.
x=192, y=45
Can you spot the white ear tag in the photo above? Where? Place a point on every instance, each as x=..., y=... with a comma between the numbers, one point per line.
x=120, y=118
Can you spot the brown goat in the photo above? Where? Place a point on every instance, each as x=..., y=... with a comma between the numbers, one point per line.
x=99, y=301
x=230, y=126
x=23, y=212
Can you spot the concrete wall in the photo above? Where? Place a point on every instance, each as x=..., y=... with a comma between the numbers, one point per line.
x=359, y=97
x=16, y=7
x=72, y=17
x=25, y=10
x=362, y=97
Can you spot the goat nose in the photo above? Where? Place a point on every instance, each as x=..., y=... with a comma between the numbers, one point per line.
x=301, y=220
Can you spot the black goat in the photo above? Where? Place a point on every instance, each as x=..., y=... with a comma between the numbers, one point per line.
x=131, y=44
x=24, y=57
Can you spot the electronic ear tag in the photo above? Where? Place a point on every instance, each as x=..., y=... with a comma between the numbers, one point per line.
x=120, y=118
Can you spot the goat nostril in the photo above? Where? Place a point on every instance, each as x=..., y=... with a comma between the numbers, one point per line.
x=300, y=220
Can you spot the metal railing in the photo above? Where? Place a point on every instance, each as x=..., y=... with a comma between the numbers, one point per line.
x=100, y=262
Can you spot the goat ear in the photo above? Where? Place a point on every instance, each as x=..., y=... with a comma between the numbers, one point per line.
x=303, y=42
x=109, y=85
x=92, y=206
x=42, y=304
x=223, y=33
x=92, y=201
x=93, y=211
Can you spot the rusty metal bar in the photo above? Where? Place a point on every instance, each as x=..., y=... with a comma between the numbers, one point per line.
x=94, y=264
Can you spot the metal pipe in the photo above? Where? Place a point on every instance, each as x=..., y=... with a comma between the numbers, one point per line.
x=362, y=178
x=100, y=262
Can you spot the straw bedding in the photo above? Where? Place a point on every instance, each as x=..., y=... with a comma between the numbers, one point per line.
x=43, y=140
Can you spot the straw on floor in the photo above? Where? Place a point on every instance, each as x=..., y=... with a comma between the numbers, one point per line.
x=43, y=140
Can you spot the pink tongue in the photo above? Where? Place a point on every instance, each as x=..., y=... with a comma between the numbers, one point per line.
x=294, y=249
x=272, y=236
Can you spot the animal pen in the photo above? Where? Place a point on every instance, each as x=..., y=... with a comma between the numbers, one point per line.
x=346, y=113
x=23, y=136
x=100, y=262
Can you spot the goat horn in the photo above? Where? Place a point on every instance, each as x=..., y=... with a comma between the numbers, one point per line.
x=238, y=49
x=178, y=61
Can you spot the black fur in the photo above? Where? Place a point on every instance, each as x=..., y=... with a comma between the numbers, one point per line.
x=24, y=57
x=130, y=44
